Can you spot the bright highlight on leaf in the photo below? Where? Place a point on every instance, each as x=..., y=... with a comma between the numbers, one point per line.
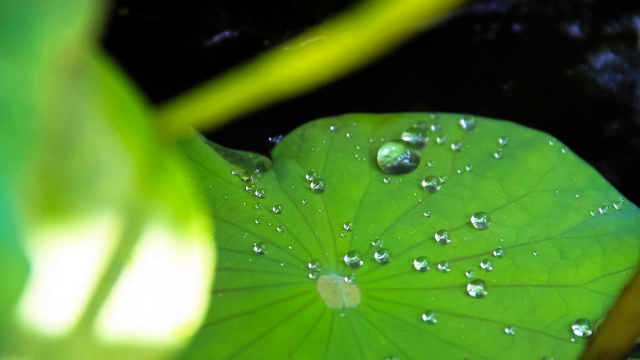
x=531, y=244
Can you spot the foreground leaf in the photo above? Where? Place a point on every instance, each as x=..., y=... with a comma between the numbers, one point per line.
x=560, y=245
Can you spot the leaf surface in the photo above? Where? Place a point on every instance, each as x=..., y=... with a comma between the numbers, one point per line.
x=569, y=242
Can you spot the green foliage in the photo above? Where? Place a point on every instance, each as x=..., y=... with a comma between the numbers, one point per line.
x=569, y=241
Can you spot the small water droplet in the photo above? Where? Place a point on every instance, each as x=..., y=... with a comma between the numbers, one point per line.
x=280, y=228
x=421, y=263
x=503, y=140
x=386, y=180
x=498, y=252
x=431, y=164
x=260, y=248
x=486, y=264
x=470, y=274
x=431, y=183
x=618, y=204
x=603, y=209
x=398, y=157
x=311, y=175
x=415, y=135
x=317, y=186
x=468, y=168
x=443, y=236
x=343, y=234
x=578, y=195
x=277, y=208
x=314, y=265
x=535, y=253
x=426, y=213
x=441, y=139
x=376, y=243
x=497, y=154
x=430, y=317
x=348, y=226
x=481, y=220
x=257, y=221
x=382, y=256
x=290, y=247
x=333, y=128
x=552, y=141
x=352, y=259
x=314, y=274
x=456, y=146
x=260, y=193
x=477, y=288
x=582, y=328
x=250, y=187
x=350, y=278
x=305, y=201
x=510, y=330
x=349, y=135
x=435, y=127
x=444, y=266
x=258, y=206
x=467, y=123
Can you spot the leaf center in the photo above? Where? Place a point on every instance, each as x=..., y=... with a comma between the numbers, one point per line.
x=337, y=293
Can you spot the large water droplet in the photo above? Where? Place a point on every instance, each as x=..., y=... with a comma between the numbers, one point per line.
x=444, y=266
x=382, y=256
x=443, y=236
x=430, y=317
x=277, y=208
x=398, y=157
x=415, y=135
x=431, y=183
x=467, y=123
x=260, y=248
x=352, y=259
x=421, y=263
x=498, y=252
x=311, y=175
x=317, y=186
x=477, y=288
x=486, y=264
x=480, y=220
x=603, y=209
x=582, y=328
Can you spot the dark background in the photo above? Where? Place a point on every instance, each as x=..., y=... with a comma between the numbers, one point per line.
x=570, y=68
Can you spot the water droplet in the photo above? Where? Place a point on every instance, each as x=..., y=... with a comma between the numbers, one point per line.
x=260, y=193
x=426, y=213
x=290, y=247
x=350, y=278
x=333, y=128
x=431, y=183
x=317, y=186
x=305, y=201
x=250, y=187
x=481, y=220
x=467, y=123
x=430, y=317
x=510, y=330
x=382, y=256
x=470, y=274
x=280, y=228
x=415, y=135
x=277, y=208
x=441, y=139
x=443, y=236
x=477, y=288
x=386, y=180
x=486, y=264
x=258, y=206
x=431, y=164
x=257, y=221
x=618, y=204
x=352, y=259
x=603, y=209
x=582, y=328
x=503, y=140
x=444, y=266
x=311, y=175
x=349, y=135
x=398, y=157
x=343, y=233
x=314, y=274
x=552, y=141
x=535, y=253
x=421, y=263
x=348, y=226
x=456, y=146
x=498, y=252
x=314, y=265
x=497, y=154
x=468, y=168
x=260, y=248
x=376, y=243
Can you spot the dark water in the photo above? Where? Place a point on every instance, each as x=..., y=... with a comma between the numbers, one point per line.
x=570, y=68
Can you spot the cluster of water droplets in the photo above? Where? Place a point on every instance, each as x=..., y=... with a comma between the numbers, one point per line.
x=316, y=183
x=605, y=209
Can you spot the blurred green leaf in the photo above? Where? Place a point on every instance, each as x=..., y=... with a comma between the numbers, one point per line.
x=561, y=244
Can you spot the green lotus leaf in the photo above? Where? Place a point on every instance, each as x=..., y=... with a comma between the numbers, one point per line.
x=494, y=242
